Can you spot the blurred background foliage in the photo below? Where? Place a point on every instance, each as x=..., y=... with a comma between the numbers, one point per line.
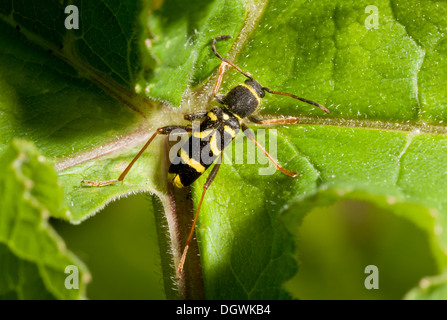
x=121, y=249
x=336, y=244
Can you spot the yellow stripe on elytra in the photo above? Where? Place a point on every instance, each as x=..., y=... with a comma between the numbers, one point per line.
x=253, y=92
x=227, y=117
x=230, y=131
x=196, y=165
x=202, y=134
x=212, y=116
x=184, y=155
x=193, y=163
x=213, y=144
x=177, y=182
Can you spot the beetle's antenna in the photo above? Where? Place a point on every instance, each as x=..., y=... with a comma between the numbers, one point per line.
x=249, y=76
x=295, y=97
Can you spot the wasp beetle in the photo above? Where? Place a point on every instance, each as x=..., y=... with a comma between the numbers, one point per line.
x=219, y=127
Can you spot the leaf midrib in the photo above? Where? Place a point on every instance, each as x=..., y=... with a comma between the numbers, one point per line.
x=145, y=130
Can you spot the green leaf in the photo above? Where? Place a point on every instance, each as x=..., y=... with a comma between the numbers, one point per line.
x=383, y=142
x=33, y=257
x=182, y=36
x=430, y=288
x=369, y=79
x=338, y=246
x=63, y=112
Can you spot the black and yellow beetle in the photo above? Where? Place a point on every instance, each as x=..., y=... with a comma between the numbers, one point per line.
x=219, y=127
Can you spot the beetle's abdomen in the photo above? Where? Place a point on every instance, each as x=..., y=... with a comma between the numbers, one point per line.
x=216, y=132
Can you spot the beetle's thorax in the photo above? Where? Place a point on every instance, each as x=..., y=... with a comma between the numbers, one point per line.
x=243, y=99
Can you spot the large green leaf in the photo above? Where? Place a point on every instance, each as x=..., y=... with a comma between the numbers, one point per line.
x=33, y=257
x=382, y=143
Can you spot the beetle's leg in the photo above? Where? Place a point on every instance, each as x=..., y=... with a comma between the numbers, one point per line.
x=219, y=82
x=195, y=115
x=291, y=120
x=207, y=184
x=250, y=136
x=213, y=46
x=164, y=130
